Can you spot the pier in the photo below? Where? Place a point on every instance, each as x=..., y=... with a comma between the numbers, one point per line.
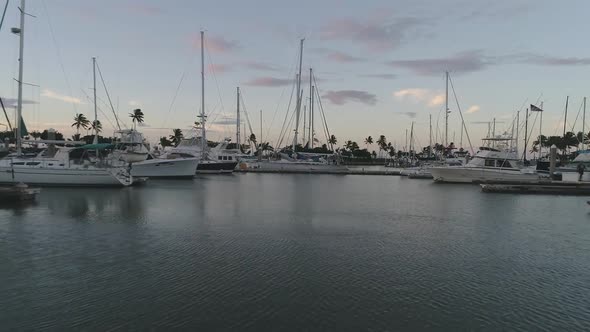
x=540, y=188
x=355, y=171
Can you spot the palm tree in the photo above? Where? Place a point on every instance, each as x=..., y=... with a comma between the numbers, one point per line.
x=35, y=134
x=176, y=136
x=97, y=126
x=368, y=141
x=164, y=142
x=382, y=143
x=332, y=141
x=80, y=121
x=136, y=117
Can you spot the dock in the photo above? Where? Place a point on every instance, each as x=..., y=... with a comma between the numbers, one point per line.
x=355, y=171
x=540, y=188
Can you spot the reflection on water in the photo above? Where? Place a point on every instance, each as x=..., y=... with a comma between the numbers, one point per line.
x=294, y=252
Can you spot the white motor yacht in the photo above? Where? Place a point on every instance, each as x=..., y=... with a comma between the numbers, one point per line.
x=488, y=164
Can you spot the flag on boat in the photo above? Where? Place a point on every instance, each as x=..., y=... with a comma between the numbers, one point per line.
x=535, y=108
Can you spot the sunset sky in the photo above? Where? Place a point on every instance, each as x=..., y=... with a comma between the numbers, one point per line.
x=379, y=64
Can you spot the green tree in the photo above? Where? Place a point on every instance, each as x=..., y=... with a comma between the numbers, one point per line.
x=176, y=136
x=137, y=117
x=164, y=142
x=96, y=126
x=35, y=134
x=80, y=121
x=382, y=143
x=332, y=141
x=368, y=141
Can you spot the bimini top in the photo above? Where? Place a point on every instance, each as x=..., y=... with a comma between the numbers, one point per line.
x=99, y=146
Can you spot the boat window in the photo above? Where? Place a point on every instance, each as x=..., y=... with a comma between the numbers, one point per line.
x=50, y=164
x=490, y=163
x=32, y=163
x=19, y=163
x=503, y=164
x=218, y=157
x=224, y=157
x=229, y=158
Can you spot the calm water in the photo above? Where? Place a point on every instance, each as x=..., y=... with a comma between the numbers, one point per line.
x=295, y=252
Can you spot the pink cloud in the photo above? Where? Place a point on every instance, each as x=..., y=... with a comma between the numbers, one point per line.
x=269, y=82
x=342, y=97
x=343, y=57
x=218, y=68
x=259, y=65
x=144, y=9
x=215, y=44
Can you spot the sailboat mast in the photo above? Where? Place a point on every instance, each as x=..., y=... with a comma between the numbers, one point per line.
x=95, y=124
x=494, y=133
x=411, y=140
x=565, y=119
x=430, y=136
x=19, y=107
x=584, y=124
x=447, y=109
x=238, y=118
x=309, y=133
x=298, y=110
x=526, y=131
x=203, y=131
x=517, y=130
x=541, y=132
x=312, y=127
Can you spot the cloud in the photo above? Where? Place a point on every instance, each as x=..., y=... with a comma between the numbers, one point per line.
x=269, y=82
x=134, y=103
x=436, y=100
x=553, y=60
x=218, y=68
x=143, y=125
x=342, y=97
x=381, y=76
x=411, y=115
x=54, y=95
x=144, y=9
x=472, y=109
x=225, y=120
x=216, y=44
x=417, y=95
x=377, y=33
x=460, y=63
x=259, y=66
x=11, y=102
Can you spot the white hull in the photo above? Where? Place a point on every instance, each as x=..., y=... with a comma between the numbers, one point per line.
x=65, y=176
x=471, y=174
x=165, y=168
x=298, y=167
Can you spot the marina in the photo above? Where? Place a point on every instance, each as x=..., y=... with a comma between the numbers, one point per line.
x=321, y=167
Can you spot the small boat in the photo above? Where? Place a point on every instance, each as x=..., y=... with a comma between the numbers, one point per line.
x=18, y=193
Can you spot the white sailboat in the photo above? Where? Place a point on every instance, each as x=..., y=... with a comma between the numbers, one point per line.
x=62, y=166
x=302, y=162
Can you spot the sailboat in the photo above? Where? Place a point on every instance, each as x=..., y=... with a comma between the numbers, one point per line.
x=63, y=166
x=197, y=146
x=292, y=161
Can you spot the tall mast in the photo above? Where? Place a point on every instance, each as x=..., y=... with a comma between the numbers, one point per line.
x=411, y=140
x=430, y=136
x=526, y=131
x=309, y=132
x=95, y=141
x=447, y=109
x=517, y=129
x=19, y=107
x=260, y=139
x=494, y=133
x=312, y=128
x=298, y=96
x=203, y=133
x=541, y=132
x=238, y=118
x=583, y=123
x=565, y=120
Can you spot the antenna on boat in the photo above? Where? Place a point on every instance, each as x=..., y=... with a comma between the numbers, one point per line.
x=202, y=116
x=567, y=98
x=583, y=123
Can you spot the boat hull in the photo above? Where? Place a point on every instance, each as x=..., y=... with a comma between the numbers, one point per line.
x=66, y=176
x=165, y=168
x=475, y=174
x=215, y=167
x=298, y=167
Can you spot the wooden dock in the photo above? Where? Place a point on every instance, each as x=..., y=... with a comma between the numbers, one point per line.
x=354, y=171
x=540, y=188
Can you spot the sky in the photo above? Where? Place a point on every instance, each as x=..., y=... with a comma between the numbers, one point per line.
x=379, y=65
